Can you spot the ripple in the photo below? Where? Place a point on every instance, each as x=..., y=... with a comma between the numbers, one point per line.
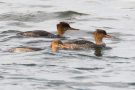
x=86, y=56
x=51, y=65
x=87, y=69
x=117, y=57
x=1, y=77
x=69, y=14
x=2, y=2
x=42, y=6
x=25, y=78
x=27, y=64
x=8, y=38
x=130, y=8
x=56, y=82
x=19, y=24
x=10, y=31
x=38, y=16
x=37, y=41
x=114, y=84
x=28, y=17
x=101, y=18
x=104, y=27
x=132, y=83
x=20, y=64
x=80, y=77
x=121, y=34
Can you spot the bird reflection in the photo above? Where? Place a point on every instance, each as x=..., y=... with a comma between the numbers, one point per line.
x=98, y=51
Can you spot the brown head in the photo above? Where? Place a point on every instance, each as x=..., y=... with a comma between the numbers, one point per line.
x=62, y=27
x=55, y=45
x=99, y=34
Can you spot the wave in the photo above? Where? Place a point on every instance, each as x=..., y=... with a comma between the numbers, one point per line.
x=19, y=24
x=38, y=16
x=116, y=57
x=95, y=68
x=24, y=17
x=69, y=14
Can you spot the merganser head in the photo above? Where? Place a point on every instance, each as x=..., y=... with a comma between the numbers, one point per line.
x=99, y=34
x=62, y=27
x=55, y=45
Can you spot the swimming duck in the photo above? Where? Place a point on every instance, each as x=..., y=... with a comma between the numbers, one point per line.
x=99, y=34
x=61, y=28
x=24, y=49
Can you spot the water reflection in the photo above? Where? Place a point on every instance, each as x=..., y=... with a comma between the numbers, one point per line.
x=98, y=51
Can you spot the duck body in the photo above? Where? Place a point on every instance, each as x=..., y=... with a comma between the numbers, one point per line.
x=62, y=27
x=81, y=44
x=24, y=49
x=39, y=33
x=78, y=44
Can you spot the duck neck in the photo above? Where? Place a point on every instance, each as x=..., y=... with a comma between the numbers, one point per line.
x=98, y=41
x=60, y=32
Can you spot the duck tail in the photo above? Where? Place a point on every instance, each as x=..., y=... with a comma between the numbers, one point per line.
x=20, y=33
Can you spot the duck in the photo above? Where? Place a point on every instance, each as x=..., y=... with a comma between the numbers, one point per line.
x=62, y=27
x=98, y=35
x=24, y=49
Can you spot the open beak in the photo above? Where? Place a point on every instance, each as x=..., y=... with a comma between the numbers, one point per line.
x=73, y=28
x=108, y=36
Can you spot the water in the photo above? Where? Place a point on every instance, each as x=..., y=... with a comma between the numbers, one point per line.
x=67, y=70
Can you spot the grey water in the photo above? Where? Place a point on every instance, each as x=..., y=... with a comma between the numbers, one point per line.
x=112, y=69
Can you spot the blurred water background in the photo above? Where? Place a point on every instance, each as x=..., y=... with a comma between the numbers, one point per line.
x=67, y=70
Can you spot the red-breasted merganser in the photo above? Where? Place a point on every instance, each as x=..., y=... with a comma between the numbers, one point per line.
x=24, y=49
x=81, y=44
x=61, y=28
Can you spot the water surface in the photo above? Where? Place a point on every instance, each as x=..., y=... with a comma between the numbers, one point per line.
x=67, y=70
